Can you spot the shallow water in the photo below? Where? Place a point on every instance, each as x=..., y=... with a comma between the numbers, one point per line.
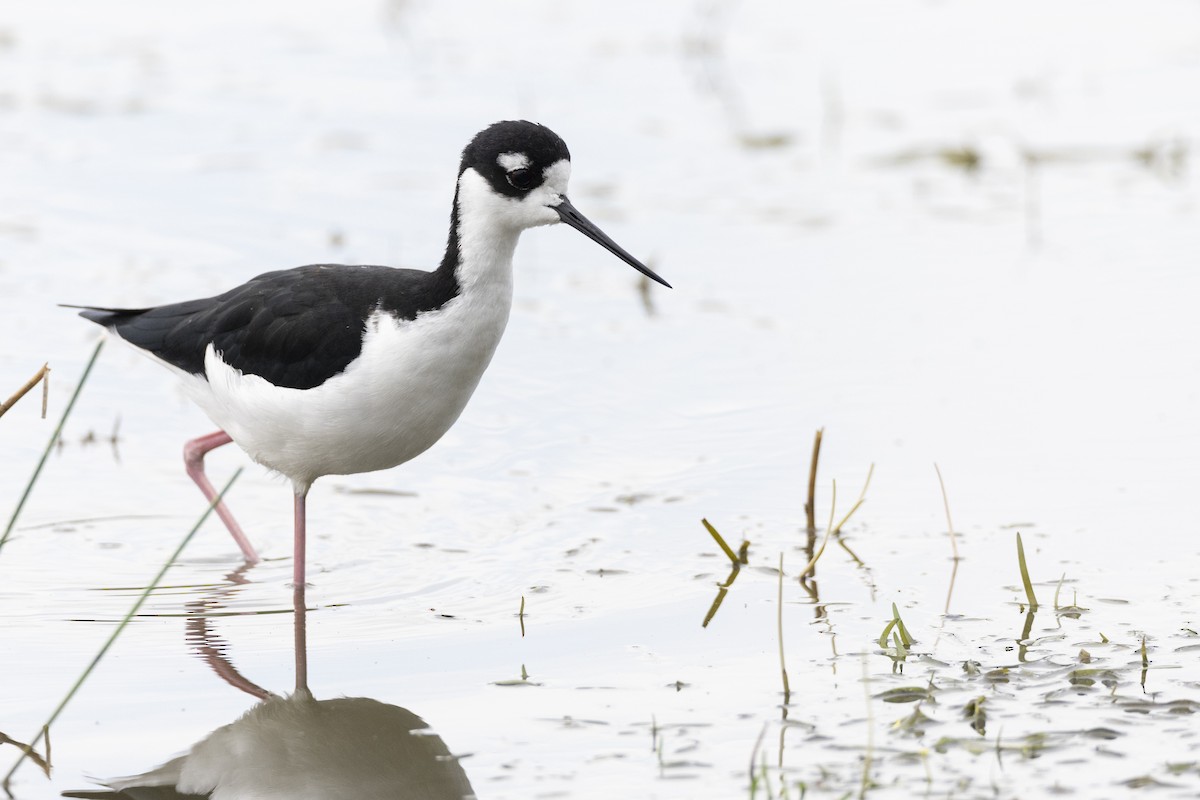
x=803, y=176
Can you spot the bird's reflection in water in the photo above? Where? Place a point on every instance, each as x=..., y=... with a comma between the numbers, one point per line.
x=298, y=747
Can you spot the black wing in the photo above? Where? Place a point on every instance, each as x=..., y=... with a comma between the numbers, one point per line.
x=296, y=328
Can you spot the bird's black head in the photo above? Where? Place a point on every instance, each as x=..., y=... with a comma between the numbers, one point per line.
x=513, y=155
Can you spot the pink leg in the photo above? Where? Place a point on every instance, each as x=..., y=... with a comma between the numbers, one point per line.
x=193, y=456
x=298, y=587
x=298, y=542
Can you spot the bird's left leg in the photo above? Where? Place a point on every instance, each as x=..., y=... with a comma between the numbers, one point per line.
x=193, y=457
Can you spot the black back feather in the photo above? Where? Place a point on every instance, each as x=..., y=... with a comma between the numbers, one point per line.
x=296, y=328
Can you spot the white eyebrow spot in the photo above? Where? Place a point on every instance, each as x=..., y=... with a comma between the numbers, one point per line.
x=510, y=161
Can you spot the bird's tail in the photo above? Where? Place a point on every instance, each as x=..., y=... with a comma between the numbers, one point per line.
x=105, y=316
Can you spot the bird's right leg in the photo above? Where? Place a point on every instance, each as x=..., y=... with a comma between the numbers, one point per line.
x=193, y=456
x=298, y=585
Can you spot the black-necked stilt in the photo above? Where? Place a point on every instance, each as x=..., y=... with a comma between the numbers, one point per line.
x=332, y=369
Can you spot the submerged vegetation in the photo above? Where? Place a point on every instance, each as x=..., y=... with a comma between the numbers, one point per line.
x=1024, y=700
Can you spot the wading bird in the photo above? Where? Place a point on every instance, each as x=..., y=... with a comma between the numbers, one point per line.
x=331, y=369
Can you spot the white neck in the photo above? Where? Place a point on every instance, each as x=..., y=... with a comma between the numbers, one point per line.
x=487, y=236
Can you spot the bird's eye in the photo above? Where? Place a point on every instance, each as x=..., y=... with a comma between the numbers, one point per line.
x=521, y=178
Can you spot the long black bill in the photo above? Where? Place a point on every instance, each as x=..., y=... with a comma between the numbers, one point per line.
x=579, y=222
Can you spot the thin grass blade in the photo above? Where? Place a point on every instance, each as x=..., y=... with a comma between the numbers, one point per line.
x=1033, y=603
x=50, y=445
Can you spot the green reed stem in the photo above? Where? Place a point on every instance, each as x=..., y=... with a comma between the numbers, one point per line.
x=50, y=445
x=1033, y=603
x=720, y=541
